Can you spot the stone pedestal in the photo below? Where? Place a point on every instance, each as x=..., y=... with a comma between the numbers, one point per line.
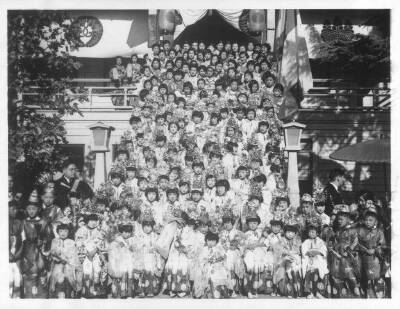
x=100, y=174
x=293, y=179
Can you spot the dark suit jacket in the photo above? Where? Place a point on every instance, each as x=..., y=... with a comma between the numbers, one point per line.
x=332, y=197
x=63, y=187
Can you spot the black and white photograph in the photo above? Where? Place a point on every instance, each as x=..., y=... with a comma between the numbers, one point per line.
x=167, y=153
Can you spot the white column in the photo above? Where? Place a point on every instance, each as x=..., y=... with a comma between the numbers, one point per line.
x=293, y=180
x=99, y=170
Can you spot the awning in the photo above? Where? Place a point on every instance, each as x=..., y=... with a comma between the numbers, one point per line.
x=373, y=151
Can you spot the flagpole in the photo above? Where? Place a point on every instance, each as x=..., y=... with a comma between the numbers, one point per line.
x=297, y=54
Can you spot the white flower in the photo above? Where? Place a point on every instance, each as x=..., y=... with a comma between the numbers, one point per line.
x=66, y=22
x=54, y=26
x=43, y=44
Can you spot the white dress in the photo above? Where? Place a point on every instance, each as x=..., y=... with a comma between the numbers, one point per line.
x=319, y=261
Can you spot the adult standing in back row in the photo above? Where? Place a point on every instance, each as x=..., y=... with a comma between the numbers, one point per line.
x=68, y=184
x=332, y=190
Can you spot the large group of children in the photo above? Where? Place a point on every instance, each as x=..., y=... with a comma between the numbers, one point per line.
x=196, y=204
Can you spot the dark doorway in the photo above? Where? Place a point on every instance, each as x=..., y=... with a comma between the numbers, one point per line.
x=213, y=28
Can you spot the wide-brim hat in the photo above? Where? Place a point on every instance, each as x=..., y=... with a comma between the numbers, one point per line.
x=36, y=204
x=253, y=218
x=307, y=198
x=228, y=216
x=125, y=228
x=371, y=212
x=344, y=210
x=276, y=222
x=291, y=228
x=197, y=190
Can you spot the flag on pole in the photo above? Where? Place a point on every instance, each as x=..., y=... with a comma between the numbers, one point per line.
x=294, y=71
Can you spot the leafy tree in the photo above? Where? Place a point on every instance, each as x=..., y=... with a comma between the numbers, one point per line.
x=39, y=62
x=364, y=60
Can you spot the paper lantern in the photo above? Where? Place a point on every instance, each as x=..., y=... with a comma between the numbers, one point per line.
x=166, y=20
x=101, y=136
x=293, y=132
x=257, y=20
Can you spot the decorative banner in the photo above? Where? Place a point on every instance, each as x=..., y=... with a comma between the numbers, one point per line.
x=107, y=34
x=90, y=30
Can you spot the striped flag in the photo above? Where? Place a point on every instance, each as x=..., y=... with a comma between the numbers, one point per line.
x=294, y=71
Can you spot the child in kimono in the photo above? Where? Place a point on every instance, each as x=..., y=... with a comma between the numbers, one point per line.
x=273, y=253
x=321, y=215
x=209, y=191
x=157, y=209
x=344, y=264
x=177, y=277
x=256, y=204
x=211, y=278
x=224, y=199
x=184, y=192
x=197, y=178
x=371, y=242
x=35, y=250
x=241, y=187
x=172, y=200
x=231, y=159
x=193, y=241
x=15, y=250
x=90, y=243
x=149, y=260
x=262, y=136
x=307, y=214
x=197, y=204
x=66, y=272
x=117, y=181
x=120, y=263
x=232, y=240
x=51, y=213
x=314, y=264
x=253, y=256
x=288, y=272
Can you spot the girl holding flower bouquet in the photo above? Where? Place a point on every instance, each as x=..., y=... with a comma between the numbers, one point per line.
x=232, y=240
x=211, y=278
x=149, y=261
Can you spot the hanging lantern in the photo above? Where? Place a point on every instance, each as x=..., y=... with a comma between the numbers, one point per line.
x=257, y=20
x=166, y=21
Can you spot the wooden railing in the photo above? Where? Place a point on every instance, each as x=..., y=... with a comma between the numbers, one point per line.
x=340, y=94
x=98, y=94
